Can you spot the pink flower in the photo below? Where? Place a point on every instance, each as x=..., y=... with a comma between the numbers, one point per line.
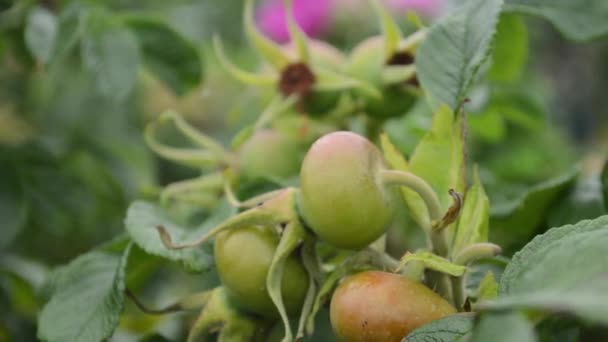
x=313, y=16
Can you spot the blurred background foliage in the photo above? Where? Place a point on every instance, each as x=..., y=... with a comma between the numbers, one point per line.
x=79, y=79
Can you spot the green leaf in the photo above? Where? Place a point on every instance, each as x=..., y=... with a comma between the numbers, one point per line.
x=448, y=329
x=13, y=206
x=433, y=262
x=503, y=327
x=143, y=218
x=41, y=33
x=456, y=46
x=439, y=160
x=169, y=55
x=510, y=50
x=488, y=288
x=564, y=270
x=20, y=281
x=70, y=31
x=585, y=201
x=577, y=20
x=489, y=126
x=110, y=54
x=87, y=300
x=395, y=159
x=474, y=217
x=477, y=271
x=529, y=269
x=516, y=219
x=587, y=301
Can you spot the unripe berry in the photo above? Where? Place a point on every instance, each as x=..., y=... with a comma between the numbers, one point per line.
x=243, y=257
x=342, y=197
x=269, y=154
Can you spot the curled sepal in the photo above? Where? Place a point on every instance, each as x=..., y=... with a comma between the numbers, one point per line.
x=277, y=106
x=414, y=19
x=292, y=236
x=298, y=37
x=310, y=261
x=328, y=80
x=240, y=74
x=190, y=132
x=242, y=136
x=396, y=74
x=249, y=203
x=198, y=189
x=218, y=314
x=410, y=43
x=209, y=153
x=270, y=51
x=477, y=251
x=451, y=214
x=203, y=200
x=390, y=30
x=194, y=157
x=274, y=211
x=191, y=302
x=433, y=262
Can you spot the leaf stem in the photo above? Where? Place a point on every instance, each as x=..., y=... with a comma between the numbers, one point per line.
x=428, y=195
x=420, y=186
x=436, y=238
x=457, y=292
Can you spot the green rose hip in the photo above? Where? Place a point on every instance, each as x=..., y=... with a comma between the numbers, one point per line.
x=342, y=198
x=269, y=154
x=243, y=257
x=346, y=195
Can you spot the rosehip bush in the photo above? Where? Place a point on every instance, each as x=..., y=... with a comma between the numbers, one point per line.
x=347, y=200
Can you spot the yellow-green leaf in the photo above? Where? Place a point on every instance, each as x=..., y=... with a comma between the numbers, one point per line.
x=439, y=160
x=474, y=218
x=488, y=288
